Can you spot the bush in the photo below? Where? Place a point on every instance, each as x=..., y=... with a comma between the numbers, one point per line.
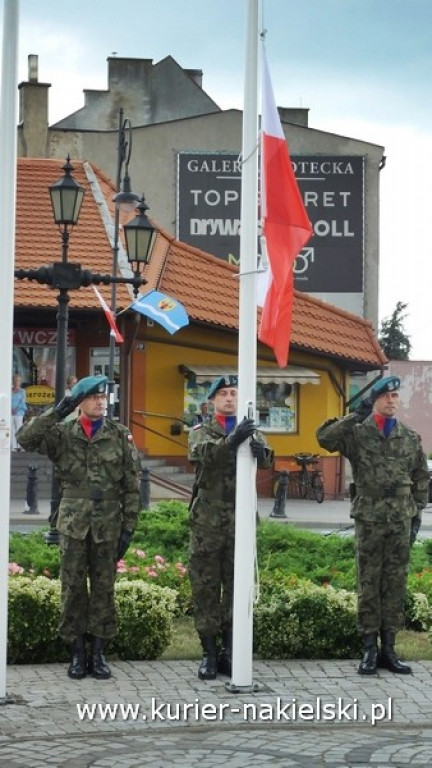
x=144, y=613
x=307, y=621
x=144, y=617
x=322, y=559
x=418, y=604
x=138, y=565
x=164, y=528
x=33, y=607
x=32, y=553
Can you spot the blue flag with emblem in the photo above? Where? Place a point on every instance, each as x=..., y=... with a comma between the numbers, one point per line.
x=163, y=309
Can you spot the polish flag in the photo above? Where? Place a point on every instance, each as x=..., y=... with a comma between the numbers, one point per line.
x=286, y=226
x=109, y=316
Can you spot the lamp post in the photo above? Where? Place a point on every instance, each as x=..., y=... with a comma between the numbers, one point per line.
x=66, y=199
x=125, y=200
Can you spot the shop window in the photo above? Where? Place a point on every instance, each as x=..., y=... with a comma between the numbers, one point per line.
x=277, y=405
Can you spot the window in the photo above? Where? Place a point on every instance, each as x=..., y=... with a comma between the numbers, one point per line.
x=277, y=407
x=276, y=404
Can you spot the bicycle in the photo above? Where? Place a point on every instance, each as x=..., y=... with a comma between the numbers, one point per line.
x=309, y=481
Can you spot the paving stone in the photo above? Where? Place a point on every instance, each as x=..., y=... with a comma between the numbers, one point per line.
x=44, y=728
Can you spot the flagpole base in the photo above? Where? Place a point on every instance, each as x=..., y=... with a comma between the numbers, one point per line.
x=233, y=688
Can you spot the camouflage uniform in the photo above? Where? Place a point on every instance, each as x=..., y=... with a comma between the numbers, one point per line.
x=99, y=483
x=391, y=487
x=212, y=518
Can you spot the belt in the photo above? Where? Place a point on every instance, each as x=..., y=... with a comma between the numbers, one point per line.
x=383, y=493
x=228, y=498
x=94, y=494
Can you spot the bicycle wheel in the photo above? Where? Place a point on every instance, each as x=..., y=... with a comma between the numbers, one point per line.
x=318, y=488
x=303, y=483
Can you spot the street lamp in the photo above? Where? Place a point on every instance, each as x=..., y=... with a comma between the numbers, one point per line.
x=140, y=237
x=126, y=201
x=66, y=199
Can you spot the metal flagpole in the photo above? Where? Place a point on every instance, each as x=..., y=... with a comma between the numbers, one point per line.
x=8, y=161
x=245, y=507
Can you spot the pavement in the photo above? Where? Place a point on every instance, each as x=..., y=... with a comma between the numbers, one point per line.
x=303, y=714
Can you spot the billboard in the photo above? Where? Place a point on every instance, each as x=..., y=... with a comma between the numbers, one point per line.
x=208, y=214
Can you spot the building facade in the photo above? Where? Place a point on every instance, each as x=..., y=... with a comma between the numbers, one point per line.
x=186, y=156
x=182, y=144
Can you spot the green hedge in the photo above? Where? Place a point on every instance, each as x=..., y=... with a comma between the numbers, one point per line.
x=306, y=621
x=144, y=614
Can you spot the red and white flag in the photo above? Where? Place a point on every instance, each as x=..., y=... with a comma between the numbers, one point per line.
x=285, y=225
x=109, y=316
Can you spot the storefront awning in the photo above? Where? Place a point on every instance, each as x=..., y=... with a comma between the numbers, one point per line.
x=292, y=374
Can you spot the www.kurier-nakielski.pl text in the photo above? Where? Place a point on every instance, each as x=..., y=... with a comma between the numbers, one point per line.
x=279, y=710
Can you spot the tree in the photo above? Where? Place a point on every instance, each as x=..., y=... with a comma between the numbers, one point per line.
x=392, y=336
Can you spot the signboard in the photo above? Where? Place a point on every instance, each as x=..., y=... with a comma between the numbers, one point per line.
x=208, y=215
x=208, y=203
x=40, y=394
x=40, y=337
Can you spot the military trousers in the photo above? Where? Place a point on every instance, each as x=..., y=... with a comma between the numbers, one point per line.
x=211, y=566
x=382, y=555
x=87, y=574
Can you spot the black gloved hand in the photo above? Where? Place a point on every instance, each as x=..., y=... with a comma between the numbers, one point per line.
x=245, y=429
x=124, y=541
x=68, y=405
x=364, y=409
x=258, y=450
x=415, y=527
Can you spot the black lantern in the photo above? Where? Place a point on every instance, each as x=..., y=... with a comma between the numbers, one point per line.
x=140, y=236
x=66, y=197
x=126, y=200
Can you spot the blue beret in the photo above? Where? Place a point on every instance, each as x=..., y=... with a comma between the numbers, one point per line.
x=387, y=384
x=220, y=383
x=90, y=385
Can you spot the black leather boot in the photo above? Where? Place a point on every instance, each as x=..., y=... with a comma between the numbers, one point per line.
x=207, y=668
x=78, y=667
x=368, y=664
x=387, y=658
x=224, y=658
x=97, y=665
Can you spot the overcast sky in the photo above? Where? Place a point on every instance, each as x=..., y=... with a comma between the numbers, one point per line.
x=362, y=67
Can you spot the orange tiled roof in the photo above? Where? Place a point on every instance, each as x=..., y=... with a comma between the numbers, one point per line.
x=38, y=241
x=207, y=286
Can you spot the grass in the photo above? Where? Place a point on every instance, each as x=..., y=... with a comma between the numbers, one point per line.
x=184, y=643
x=412, y=646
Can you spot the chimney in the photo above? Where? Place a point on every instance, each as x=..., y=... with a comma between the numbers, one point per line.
x=33, y=113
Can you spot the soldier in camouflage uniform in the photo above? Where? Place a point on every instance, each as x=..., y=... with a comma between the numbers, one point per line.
x=390, y=489
x=212, y=449
x=98, y=468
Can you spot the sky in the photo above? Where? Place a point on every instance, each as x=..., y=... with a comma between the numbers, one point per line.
x=363, y=68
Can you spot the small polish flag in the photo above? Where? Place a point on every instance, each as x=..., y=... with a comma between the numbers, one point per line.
x=109, y=316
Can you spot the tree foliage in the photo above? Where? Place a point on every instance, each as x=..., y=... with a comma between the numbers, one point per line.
x=392, y=336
